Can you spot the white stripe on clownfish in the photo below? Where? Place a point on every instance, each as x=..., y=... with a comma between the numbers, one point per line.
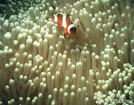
x=69, y=27
x=55, y=18
x=64, y=23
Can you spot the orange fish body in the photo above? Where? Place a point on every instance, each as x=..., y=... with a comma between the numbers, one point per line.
x=66, y=24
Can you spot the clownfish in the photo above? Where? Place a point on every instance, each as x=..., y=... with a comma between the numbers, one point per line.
x=66, y=24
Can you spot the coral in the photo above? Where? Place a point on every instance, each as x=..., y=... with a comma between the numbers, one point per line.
x=38, y=66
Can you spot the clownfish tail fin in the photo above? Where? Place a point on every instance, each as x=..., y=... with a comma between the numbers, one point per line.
x=52, y=17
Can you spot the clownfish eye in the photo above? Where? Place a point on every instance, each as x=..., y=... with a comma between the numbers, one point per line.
x=73, y=30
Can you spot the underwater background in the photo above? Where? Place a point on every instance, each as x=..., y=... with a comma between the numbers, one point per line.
x=38, y=66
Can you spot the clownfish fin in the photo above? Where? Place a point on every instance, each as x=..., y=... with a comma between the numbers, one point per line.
x=52, y=17
x=59, y=15
x=77, y=26
x=62, y=27
x=66, y=35
x=65, y=30
x=67, y=15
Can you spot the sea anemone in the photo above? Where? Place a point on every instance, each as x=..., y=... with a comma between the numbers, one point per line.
x=38, y=66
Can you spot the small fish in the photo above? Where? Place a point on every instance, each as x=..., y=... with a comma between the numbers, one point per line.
x=66, y=24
